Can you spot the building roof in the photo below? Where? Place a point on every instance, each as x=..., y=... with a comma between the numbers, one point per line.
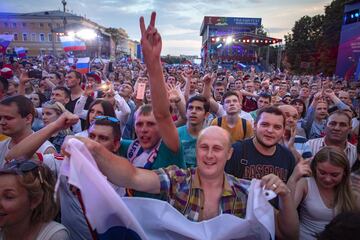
x=43, y=14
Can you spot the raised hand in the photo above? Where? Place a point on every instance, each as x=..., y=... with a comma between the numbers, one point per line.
x=66, y=120
x=302, y=169
x=274, y=183
x=150, y=40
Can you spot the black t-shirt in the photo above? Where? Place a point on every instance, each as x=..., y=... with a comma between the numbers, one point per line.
x=247, y=163
x=70, y=106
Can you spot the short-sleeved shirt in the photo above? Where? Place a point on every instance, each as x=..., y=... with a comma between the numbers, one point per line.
x=237, y=132
x=188, y=143
x=183, y=191
x=248, y=163
x=318, y=143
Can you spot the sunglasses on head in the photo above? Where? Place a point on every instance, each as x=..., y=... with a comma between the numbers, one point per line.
x=112, y=119
x=21, y=167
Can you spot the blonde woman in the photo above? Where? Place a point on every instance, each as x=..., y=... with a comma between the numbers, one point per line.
x=323, y=195
x=27, y=205
x=51, y=112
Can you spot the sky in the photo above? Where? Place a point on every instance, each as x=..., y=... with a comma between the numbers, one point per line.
x=179, y=21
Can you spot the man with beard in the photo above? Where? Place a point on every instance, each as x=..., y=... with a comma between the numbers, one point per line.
x=262, y=154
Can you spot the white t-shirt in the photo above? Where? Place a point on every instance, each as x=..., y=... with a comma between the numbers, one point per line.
x=4, y=149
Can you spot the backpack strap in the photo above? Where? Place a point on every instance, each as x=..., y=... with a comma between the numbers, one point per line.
x=219, y=121
x=244, y=126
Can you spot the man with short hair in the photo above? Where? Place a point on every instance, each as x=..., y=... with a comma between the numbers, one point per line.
x=73, y=82
x=60, y=94
x=337, y=129
x=219, y=90
x=262, y=154
x=203, y=192
x=239, y=128
x=16, y=117
x=264, y=100
x=299, y=147
x=249, y=102
x=197, y=110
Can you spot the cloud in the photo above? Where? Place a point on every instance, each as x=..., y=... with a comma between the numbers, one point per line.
x=179, y=21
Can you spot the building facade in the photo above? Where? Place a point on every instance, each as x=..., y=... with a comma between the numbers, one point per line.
x=39, y=32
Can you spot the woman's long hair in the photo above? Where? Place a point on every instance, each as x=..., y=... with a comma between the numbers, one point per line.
x=344, y=200
x=107, y=107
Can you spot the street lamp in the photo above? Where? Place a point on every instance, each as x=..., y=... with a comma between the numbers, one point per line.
x=64, y=8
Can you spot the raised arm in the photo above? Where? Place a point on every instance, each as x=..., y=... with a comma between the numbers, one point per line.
x=151, y=46
x=286, y=219
x=120, y=171
x=28, y=146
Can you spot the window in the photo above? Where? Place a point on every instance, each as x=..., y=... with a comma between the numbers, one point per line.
x=42, y=37
x=41, y=25
x=24, y=24
x=25, y=37
x=58, y=25
x=50, y=37
x=6, y=24
x=58, y=38
x=16, y=37
x=14, y=25
x=50, y=25
x=33, y=37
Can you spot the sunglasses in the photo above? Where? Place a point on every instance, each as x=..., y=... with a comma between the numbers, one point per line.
x=112, y=119
x=21, y=167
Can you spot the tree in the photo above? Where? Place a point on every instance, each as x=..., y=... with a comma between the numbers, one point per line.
x=312, y=46
x=301, y=47
x=117, y=35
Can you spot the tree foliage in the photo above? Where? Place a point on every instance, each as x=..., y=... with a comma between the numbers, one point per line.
x=313, y=44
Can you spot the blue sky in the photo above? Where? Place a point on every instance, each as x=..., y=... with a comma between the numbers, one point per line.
x=179, y=21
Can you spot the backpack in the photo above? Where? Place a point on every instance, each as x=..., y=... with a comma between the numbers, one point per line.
x=243, y=121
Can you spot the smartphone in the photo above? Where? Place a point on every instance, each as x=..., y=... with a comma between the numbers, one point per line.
x=140, y=91
x=34, y=73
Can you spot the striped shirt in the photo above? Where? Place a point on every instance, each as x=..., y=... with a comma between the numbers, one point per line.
x=350, y=150
x=183, y=190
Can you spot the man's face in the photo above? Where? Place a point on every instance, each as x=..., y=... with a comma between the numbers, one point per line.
x=104, y=135
x=71, y=80
x=291, y=116
x=337, y=128
x=345, y=97
x=52, y=77
x=171, y=80
x=263, y=102
x=11, y=122
x=304, y=92
x=195, y=113
x=213, y=149
x=294, y=91
x=352, y=93
x=249, y=87
x=269, y=129
x=238, y=85
x=59, y=96
x=200, y=86
x=232, y=105
x=193, y=83
x=219, y=92
x=147, y=130
x=117, y=86
x=321, y=110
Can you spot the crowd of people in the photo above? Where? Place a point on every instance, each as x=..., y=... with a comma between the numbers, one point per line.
x=188, y=134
